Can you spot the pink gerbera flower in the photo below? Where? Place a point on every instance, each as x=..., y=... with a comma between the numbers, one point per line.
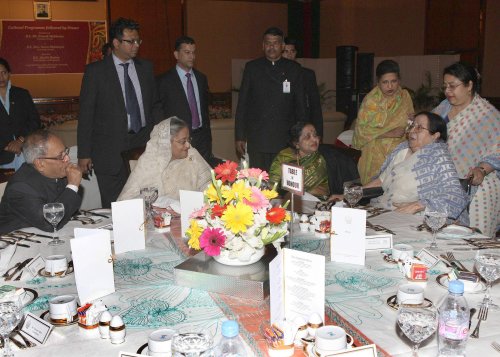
x=199, y=213
x=257, y=199
x=253, y=173
x=212, y=240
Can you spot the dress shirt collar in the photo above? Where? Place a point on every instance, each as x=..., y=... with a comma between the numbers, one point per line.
x=6, y=103
x=182, y=73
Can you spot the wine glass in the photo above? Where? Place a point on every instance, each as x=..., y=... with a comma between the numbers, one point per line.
x=353, y=193
x=10, y=315
x=54, y=213
x=417, y=322
x=435, y=219
x=487, y=263
x=192, y=342
x=149, y=194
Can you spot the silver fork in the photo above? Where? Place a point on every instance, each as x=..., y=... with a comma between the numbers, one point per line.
x=451, y=258
x=483, y=315
x=496, y=346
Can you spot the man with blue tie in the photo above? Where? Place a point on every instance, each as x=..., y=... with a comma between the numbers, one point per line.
x=118, y=108
x=183, y=92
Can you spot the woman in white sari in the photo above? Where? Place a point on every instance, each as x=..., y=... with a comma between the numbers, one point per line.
x=169, y=163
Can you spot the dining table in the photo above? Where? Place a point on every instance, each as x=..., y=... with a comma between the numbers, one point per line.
x=147, y=297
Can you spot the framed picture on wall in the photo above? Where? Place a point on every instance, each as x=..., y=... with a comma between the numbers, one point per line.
x=42, y=10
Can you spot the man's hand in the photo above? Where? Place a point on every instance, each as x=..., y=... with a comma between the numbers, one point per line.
x=73, y=174
x=14, y=146
x=240, y=147
x=85, y=165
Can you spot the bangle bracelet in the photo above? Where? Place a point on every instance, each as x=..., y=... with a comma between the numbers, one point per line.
x=20, y=138
x=483, y=170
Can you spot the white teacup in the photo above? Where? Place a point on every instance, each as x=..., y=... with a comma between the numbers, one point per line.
x=62, y=308
x=304, y=226
x=56, y=264
x=160, y=343
x=402, y=251
x=332, y=338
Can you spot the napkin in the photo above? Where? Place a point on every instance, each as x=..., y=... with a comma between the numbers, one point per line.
x=6, y=255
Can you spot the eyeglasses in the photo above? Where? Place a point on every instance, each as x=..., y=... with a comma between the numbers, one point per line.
x=450, y=86
x=418, y=128
x=59, y=157
x=183, y=142
x=132, y=42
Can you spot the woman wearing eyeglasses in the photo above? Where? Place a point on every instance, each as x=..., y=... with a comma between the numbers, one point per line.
x=169, y=163
x=474, y=142
x=419, y=173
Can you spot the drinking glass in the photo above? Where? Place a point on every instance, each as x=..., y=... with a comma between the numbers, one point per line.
x=417, y=323
x=192, y=343
x=54, y=213
x=487, y=263
x=10, y=315
x=353, y=193
x=149, y=194
x=435, y=219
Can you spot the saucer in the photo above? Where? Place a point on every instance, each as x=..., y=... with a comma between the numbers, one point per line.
x=311, y=351
x=144, y=351
x=443, y=281
x=46, y=316
x=45, y=274
x=29, y=296
x=392, y=303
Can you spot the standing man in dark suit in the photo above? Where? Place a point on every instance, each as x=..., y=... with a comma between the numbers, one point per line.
x=271, y=101
x=176, y=95
x=314, y=114
x=118, y=109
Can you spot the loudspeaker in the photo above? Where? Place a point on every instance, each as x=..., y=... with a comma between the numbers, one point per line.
x=346, y=66
x=364, y=72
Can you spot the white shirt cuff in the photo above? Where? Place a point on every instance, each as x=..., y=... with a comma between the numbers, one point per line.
x=72, y=187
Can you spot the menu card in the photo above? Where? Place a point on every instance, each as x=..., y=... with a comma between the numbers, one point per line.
x=129, y=231
x=190, y=201
x=93, y=263
x=297, y=285
x=347, y=244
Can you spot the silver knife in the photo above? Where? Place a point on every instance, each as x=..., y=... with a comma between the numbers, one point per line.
x=18, y=269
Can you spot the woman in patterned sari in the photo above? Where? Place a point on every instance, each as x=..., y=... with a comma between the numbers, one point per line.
x=325, y=168
x=382, y=119
x=474, y=143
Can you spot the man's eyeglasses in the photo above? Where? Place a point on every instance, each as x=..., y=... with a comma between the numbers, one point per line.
x=450, y=86
x=418, y=128
x=183, y=142
x=132, y=42
x=59, y=157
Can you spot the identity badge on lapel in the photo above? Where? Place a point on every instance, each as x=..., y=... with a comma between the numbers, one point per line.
x=286, y=86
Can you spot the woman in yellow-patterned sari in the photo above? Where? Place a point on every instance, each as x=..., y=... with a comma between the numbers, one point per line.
x=382, y=119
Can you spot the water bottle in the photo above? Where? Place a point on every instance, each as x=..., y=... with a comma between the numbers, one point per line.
x=453, y=321
x=230, y=344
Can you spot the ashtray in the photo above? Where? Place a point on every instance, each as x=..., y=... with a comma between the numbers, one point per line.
x=392, y=302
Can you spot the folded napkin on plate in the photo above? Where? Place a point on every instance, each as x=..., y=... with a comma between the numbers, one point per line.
x=6, y=254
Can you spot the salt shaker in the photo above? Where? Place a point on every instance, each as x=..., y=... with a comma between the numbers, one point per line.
x=104, y=321
x=117, y=330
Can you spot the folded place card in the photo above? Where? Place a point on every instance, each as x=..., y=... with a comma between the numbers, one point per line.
x=378, y=241
x=36, y=329
x=93, y=264
x=34, y=266
x=297, y=285
x=348, y=235
x=129, y=231
x=190, y=201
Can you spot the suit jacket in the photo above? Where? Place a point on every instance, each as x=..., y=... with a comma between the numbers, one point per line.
x=340, y=166
x=102, y=122
x=264, y=113
x=314, y=114
x=26, y=193
x=22, y=120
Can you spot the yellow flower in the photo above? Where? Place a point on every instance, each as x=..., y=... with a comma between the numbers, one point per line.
x=238, y=192
x=211, y=193
x=288, y=216
x=194, y=232
x=238, y=218
x=270, y=194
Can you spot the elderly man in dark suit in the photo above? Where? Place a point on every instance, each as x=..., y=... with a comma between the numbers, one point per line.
x=47, y=177
x=271, y=100
x=18, y=118
x=118, y=109
x=183, y=92
x=314, y=114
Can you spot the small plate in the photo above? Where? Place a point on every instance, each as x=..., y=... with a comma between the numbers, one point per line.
x=454, y=231
x=312, y=352
x=443, y=281
x=29, y=296
x=144, y=351
x=46, y=316
x=45, y=274
x=392, y=302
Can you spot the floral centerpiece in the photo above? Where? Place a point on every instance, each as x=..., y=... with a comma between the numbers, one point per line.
x=237, y=219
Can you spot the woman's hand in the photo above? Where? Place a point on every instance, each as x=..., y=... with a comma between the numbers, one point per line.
x=478, y=173
x=410, y=208
x=394, y=133
x=336, y=198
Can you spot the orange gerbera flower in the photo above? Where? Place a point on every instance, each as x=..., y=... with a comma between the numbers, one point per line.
x=276, y=215
x=226, y=171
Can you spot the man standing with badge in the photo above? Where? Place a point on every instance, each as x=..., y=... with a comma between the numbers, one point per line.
x=271, y=100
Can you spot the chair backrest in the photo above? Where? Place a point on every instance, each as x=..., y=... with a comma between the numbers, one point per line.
x=5, y=174
x=132, y=155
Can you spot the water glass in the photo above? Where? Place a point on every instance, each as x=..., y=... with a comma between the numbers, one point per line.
x=352, y=193
x=435, y=219
x=417, y=322
x=487, y=263
x=54, y=213
x=192, y=344
x=11, y=314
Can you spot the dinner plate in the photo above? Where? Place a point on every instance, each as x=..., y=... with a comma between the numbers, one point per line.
x=392, y=302
x=29, y=296
x=443, y=281
x=455, y=231
x=46, y=274
x=104, y=211
x=144, y=351
x=46, y=316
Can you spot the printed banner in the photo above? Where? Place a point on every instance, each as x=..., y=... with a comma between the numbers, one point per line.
x=34, y=47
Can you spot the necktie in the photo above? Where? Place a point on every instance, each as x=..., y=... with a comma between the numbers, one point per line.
x=195, y=117
x=131, y=104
